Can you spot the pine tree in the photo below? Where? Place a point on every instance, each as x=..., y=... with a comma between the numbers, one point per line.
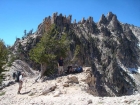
x=50, y=47
x=3, y=58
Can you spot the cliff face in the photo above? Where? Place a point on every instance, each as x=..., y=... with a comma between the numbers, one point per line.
x=109, y=47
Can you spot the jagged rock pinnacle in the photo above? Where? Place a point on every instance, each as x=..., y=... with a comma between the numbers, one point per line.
x=102, y=20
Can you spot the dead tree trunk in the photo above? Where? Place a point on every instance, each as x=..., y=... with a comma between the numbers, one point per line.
x=43, y=68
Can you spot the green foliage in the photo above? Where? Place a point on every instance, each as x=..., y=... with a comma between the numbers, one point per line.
x=51, y=69
x=31, y=94
x=50, y=47
x=20, y=48
x=77, y=50
x=76, y=53
x=12, y=59
x=2, y=93
x=3, y=58
x=27, y=33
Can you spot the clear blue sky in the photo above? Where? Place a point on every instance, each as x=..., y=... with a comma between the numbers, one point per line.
x=18, y=15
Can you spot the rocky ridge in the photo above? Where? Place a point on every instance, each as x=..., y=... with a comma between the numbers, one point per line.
x=109, y=47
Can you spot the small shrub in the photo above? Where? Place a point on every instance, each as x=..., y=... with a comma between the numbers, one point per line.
x=2, y=93
x=32, y=94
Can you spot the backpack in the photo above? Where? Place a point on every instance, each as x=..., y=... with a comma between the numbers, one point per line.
x=16, y=76
x=79, y=70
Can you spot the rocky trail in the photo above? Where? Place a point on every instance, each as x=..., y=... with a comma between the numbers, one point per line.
x=64, y=90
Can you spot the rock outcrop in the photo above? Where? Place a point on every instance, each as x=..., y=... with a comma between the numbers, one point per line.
x=109, y=47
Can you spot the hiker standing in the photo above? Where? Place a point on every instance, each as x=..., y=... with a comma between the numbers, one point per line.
x=60, y=66
x=20, y=82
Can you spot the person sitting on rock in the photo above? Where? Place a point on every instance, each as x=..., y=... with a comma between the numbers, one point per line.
x=70, y=69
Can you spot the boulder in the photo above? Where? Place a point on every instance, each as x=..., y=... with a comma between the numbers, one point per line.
x=57, y=93
x=48, y=88
x=89, y=101
x=66, y=85
x=72, y=79
x=59, y=80
x=7, y=83
x=86, y=78
x=87, y=69
x=84, y=87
